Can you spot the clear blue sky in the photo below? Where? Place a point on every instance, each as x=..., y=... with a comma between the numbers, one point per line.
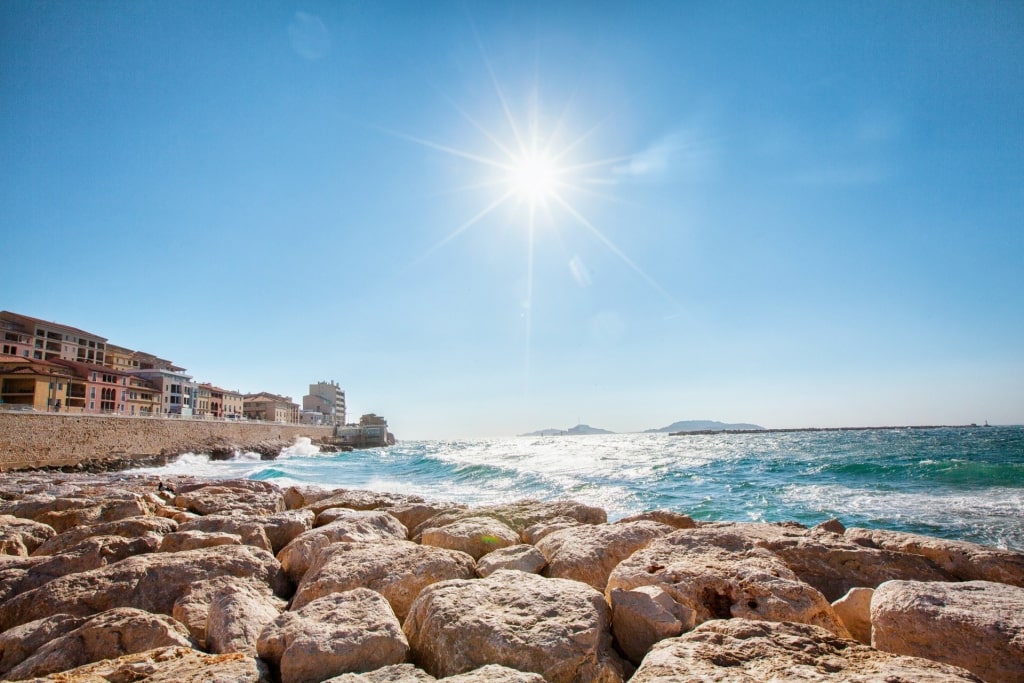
x=794, y=214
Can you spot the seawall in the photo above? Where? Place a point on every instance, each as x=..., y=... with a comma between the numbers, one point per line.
x=30, y=440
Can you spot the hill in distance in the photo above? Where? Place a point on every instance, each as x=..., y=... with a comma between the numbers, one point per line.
x=703, y=426
x=577, y=430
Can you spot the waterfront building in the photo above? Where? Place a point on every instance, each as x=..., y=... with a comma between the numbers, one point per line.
x=49, y=340
x=233, y=403
x=96, y=388
x=143, y=398
x=270, y=407
x=201, y=408
x=324, y=404
x=30, y=384
x=177, y=390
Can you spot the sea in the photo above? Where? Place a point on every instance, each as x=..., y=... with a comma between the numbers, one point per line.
x=957, y=483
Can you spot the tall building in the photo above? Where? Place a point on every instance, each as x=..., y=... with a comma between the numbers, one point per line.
x=29, y=337
x=324, y=404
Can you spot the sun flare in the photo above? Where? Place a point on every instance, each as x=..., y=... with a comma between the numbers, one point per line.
x=534, y=178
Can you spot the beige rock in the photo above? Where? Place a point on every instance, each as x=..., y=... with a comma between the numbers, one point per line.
x=533, y=533
x=167, y=665
x=21, y=642
x=91, y=553
x=475, y=536
x=395, y=673
x=221, y=499
x=106, y=511
x=672, y=519
x=247, y=527
x=107, y=635
x=589, y=552
x=130, y=527
x=240, y=485
x=965, y=561
x=643, y=616
x=495, y=673
x=411, y=515
x=978, y=625
x=398, y=570
x=356, y=526
x=554, y=627
x=520, y=515
x=345, y=632
x=854, y=610
x=150, y=582
x=720, y=575
x=522, y=557
x=22, y=536
x=282, y=527
x=296, y=497
x=177, y=541
x=192, y=607
x=237, y=615
x=361, y=500
x=745, y=651
x=832, y=526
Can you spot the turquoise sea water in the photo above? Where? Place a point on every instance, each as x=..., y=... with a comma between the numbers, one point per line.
x=955, y=483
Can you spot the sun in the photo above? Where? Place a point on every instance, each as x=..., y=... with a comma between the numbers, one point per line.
x=534, y=178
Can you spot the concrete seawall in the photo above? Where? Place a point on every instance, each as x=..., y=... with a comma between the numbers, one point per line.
x=30, y=440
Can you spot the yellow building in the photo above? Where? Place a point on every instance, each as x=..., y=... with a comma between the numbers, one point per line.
x=31, y=384
x=269, y=407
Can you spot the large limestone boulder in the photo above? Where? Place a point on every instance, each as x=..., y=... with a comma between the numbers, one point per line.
x=675, y=520
x=343, y=632
x=282, y=527
x=411, y=515
x=554, y=627
x=522, y=557
x=22, y=536
x=589, y=552
x=228, y=496
x=965, y=561
x=249, y=530
x=854, y=610
x=745, y=651
x=91, y=553
x=719, y=575
x=495, y=673
x=107, y=635
x=193, y=607
x=167, y=665
x=398, y=570
x=978, y=625
x=475, y=536
x=355, y=526
x=533, y=533
x=394, y=673
x=238, y=614
x=150, y=582
x=130, y=527
x=645, y=615
x=63, y=513
x=177, y=541
x=21, y=642
x=519, y=515
x=355, y=499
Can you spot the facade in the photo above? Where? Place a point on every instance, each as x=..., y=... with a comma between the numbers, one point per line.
x=176, y=389
x=270, y=408
x=201, y=408
x=324, y=404
x=97, y=388
x=143, y=398
x=233, y=404
x=29, y=384
x=48, y=340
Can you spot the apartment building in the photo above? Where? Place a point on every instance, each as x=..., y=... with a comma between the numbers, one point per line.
x=233, y=404
x=324, y=404
x=176, y=389
x=26, y=383
x=38, y=339
x=270, y=407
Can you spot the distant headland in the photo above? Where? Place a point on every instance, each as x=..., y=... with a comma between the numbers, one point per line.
x=681, y=426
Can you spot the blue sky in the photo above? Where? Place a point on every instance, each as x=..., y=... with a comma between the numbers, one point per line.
x=794, y=214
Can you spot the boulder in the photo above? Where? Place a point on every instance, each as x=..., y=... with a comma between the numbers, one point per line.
x=223, y=498
x=475, y=536
x=345, y=632
x=130, y=527
x=22, y=536
x=589, y=552
x=720, y=575
x=177, y=541
x=296, y=497
x=247, y=528
x=150, y=582
x=675, y=520
x=854, y=610
x=394, y=673
x=91, y=553
x=238, y=614
x=643, y=616
x=495, y=673
x=167, y=665
x=356, y=526
x=21, y=642
x=107, y=635
x=744, y=651
x=533, y=533
x=977, y=625
x=192, y=608
x=553, y=627
x=282, y=527
x=520, y=515
x=105, y=511
x=522, y=557
x=411, y=515
x=360, y=500
x=964, y=561
x=398, y=570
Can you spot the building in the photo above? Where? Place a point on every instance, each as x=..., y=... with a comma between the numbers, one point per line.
x=96, y=388
x=324, y=404
x=270, y=408
x=371, y=432
x=176, y=389
x=234, y=403
x=143, y=398
x=48, y=340
x=30, y=384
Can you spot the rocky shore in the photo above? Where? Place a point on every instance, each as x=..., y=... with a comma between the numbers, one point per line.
x=121, y=577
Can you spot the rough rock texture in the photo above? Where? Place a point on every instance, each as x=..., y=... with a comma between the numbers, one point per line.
x=237, y=615
x=589, y=552
x=745, y=651
x=177, y=541
x=553, y=627
x=533, y=533
x=495, y=673
x=519, y=515
x=355, y=499
x=672, y=519
x=395, y=673
x=192, y=608
x=522, y=557
x=965, y=561
x=854, y=610
x=62, y=513
x=643, y=616
x=222, y=498
x=20, y=642
x=397, y=570
x=344, y=632
x=167, y=665
x=91, y=553
x=22, y=536
x=475, y=536
x=150, y=582
x=978, y=625
x=720, y=575
x=411, y=515
x=249, y=530
x=131, y=527
x=108, y=635
x=356, y=526
x=296, y=497
x=282, y=527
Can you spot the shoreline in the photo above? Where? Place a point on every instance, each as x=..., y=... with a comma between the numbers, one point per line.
x=792, y=430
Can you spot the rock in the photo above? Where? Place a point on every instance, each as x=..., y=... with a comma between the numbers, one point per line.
x=192, y=607
x=854, y=610
x=720, y=575
x=520, y=515
x=345, y=632
x=22, y=536
x=395, y=673
x=522, y=557
x=475, y=536
x=744, y=651
x=360, y=500
x=977, y=625
x=398, y=570
x=239, y=485
x=589, y=552
x=107, y=635
x=533, y=533
x=106, y=511
x=672, y=519
x=965, y=561
x=832, y=526
x=643, y=616
x=495, y=673
x=247, y=528
x=237, y=615
x=223, y=498
x=150, y=582
x=411, y=515
x=130, y=527
x=21, y=642
x=282, y=527
x=92, y=553
x=167, y=665
x=177, y=541
x=296, y=497
x=366, y=526
x=553, y=627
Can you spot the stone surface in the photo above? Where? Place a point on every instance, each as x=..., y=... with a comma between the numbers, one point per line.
x=854, y=610
x=745, y=651
x=237, y=615
x=533, y=533
x=22, y=536
x=282, y=527
x=394, y=673
x=675, y=520
x=223, y=498
x=21, y=642
x=296, y=497
x=978, y=625
x=149, y=582
x=345, y=632
x=475, y=536
x=107, y=635
x=495, y=673
x=192, y=607
x=519, y=515
x=167, y=665
x=177, y=541
x=130, y=527
x=91, y=553
x=645, y=615
x=554, y=627
x=247, y=527
x=589, y=552
x=398, y=570
x=411, y=515
x=355, y=499
x=965, y=561
x=720, y=575
x=356, y=526
x=522, y=557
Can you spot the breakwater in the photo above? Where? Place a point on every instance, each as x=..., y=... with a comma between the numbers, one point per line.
x=53, y=440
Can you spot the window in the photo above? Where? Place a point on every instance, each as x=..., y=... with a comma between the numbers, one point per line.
x=92, y=392
x=92, y=406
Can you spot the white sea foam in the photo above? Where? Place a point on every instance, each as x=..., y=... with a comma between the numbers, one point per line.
x=302, y=448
